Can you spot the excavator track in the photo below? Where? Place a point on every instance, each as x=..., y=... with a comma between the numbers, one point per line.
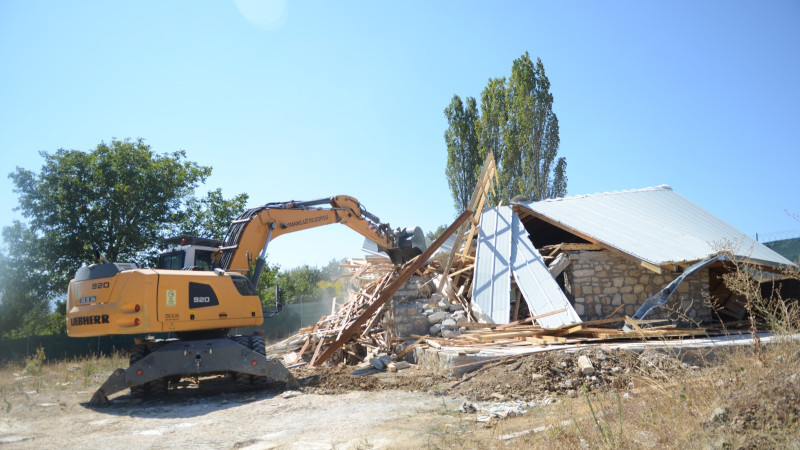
x=196, y=358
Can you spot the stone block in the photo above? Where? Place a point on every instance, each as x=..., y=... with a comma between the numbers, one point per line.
x=585, y=365
x=437, y=317
x=450, y=333
x=448, y=324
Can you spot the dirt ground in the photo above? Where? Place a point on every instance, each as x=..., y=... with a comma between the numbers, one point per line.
x=540, y=400
x=292, y=419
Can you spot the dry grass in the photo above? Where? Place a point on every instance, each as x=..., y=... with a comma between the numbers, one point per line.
x=39, y=375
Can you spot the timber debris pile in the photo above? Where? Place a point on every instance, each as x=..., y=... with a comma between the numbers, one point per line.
x=566, y=292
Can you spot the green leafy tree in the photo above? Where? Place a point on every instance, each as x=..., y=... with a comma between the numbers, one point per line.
x=517, y=123
x=302, y=284
x=24, y=284
x=433, y=235
x=210, y=216
x=266, y=284
x=120, y=198
x=463, y=158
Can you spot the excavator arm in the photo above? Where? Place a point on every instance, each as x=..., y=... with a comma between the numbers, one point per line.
x=249, y=235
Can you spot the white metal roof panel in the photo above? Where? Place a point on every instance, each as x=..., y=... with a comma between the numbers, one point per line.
x=656, y=225
x=541, y=292
x=505, y=249
x=491, y=282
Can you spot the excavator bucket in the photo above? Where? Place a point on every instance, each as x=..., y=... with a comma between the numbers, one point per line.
x=411, y=242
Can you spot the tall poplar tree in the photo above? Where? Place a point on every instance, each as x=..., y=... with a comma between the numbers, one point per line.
x=463, y=158
x=516, y=121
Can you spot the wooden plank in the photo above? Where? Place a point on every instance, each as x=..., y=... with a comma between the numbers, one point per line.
x=407, y=350
x=308, y=341
x=473, y=203
x=615, y=311
x=516, y=306
x=530, y=319
x=558, y=265
x=581, y=247
x=409, y=269
x=651, y=267
x=549, y=338
x=506, y=335
x=460, y=271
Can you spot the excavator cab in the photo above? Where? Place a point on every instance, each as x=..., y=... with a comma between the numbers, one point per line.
x=189, y=253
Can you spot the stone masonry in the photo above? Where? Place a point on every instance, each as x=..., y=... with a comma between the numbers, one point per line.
x=416, y=310
x=598, y=282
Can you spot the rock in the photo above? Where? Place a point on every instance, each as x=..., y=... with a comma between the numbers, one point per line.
x=537, y=377
x=400, y=365
x=585, y=364
x=572, y=393
x=437, y=317
x=435, y=329
x=380, y=363
x=568, y=384
x=467, y=407
x=616, y=369
x=449, y=324
x=444, y=304
x=498, y=396
x=456, y=307
x=450, y=333
x=436, y=297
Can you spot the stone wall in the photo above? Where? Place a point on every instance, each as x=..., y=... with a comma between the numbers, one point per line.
x=416, y=310
x=598, y=282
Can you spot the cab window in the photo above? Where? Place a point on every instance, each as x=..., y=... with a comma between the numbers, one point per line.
x=204, y=259
x=171, y=260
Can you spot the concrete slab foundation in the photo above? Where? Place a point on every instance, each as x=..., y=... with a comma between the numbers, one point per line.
x=456, y=361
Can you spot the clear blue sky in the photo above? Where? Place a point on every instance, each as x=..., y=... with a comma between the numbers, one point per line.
x=313, y=99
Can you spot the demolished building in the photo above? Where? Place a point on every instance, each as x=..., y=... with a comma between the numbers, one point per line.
x=623, y=247
x=536, y=274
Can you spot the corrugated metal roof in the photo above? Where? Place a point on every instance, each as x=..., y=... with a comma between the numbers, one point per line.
x=504, y=249
x=541, y=292
x=656, y=225
x=491, y=282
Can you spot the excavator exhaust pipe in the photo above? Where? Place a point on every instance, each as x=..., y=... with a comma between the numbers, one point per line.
x=411, y=242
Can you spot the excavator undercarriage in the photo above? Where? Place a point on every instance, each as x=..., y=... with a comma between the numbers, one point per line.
x=154, y=365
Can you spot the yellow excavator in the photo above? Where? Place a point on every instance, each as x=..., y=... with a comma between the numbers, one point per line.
x=202, y=289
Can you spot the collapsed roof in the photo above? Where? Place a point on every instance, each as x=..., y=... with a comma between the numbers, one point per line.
x=656, y=225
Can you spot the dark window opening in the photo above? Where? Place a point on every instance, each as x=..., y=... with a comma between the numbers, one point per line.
x=171, y=260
